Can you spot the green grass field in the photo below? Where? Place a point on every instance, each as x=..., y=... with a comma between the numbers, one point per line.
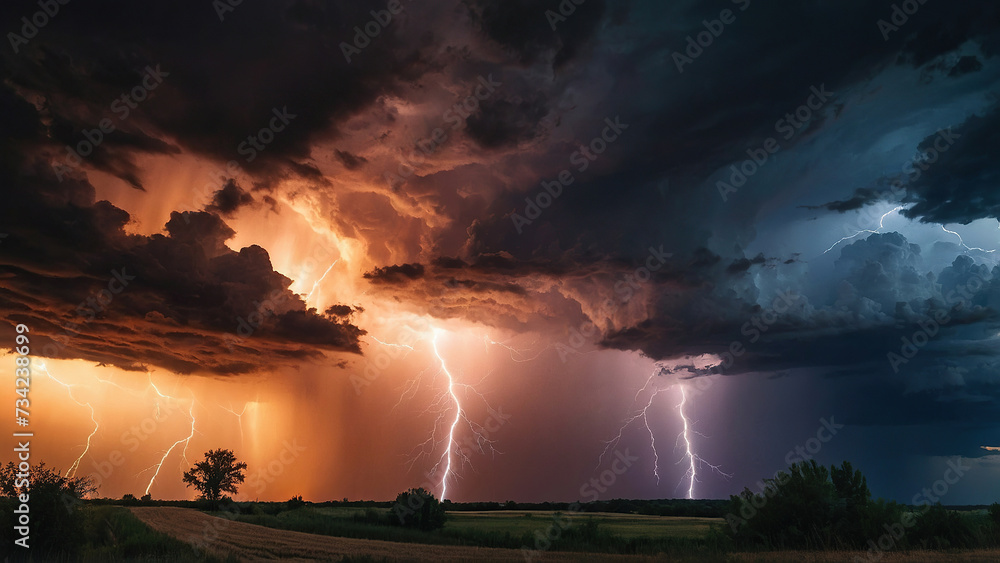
x=514, y=529
x=622, y=525
x=518, y=522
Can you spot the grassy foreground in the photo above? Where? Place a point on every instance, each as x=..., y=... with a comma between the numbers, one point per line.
x=113, y=533
x=542, y=530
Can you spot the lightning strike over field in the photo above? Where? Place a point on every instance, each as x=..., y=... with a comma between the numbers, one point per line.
x=449, y=401
x=71, y=472
x=693, y=459
x=641, y=413
x=186, y=441
x=881, y=225
x=458, y=417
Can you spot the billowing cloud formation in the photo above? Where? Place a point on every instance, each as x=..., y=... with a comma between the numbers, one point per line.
x=183, y=301
x=485, y=161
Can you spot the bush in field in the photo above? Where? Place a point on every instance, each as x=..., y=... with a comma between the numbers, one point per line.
x=995, y=512
x=417, y=508
x=56, y=524
x=812, y=507
x=809, y=506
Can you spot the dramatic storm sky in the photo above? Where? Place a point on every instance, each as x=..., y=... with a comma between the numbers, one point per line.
x=312, y=245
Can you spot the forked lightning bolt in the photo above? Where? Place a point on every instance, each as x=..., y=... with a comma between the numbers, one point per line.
x=515, y=354
x=186, y=441
x=881, y=225
x=71, y=472
x=239, y=417
x=642, y=413
x=693, y=459
x=962, y=242
x=452, y=416
x=458, y=417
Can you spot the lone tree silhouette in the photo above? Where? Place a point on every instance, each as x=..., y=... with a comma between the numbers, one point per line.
x=219, y=473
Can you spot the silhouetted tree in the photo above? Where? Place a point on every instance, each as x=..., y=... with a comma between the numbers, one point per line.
x=219, y=473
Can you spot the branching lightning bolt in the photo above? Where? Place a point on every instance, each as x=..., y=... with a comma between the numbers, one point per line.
x=881, y=225
x=632, y=418
x=962, y=242
x=454, y=424
x=391, y=345
x=693, y=459
x=451, y=415
x=71, y=472
x=520, y=354
x=186, y=441
x=239, y=417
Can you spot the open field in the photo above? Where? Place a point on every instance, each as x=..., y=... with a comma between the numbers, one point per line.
x=518, y=522
x=224, y=537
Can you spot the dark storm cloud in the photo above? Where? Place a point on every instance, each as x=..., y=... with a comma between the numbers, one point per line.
x=505, y=122
x=647, y=189
x=396, y=273
x=224, y=80
x=350, y=161
x=230, y=198
x=960, y=186
x=522, y=30
x=183, y=301
x=861, y=198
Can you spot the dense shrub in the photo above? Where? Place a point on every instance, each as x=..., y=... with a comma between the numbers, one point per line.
x=417, y=508
x=812, y=507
